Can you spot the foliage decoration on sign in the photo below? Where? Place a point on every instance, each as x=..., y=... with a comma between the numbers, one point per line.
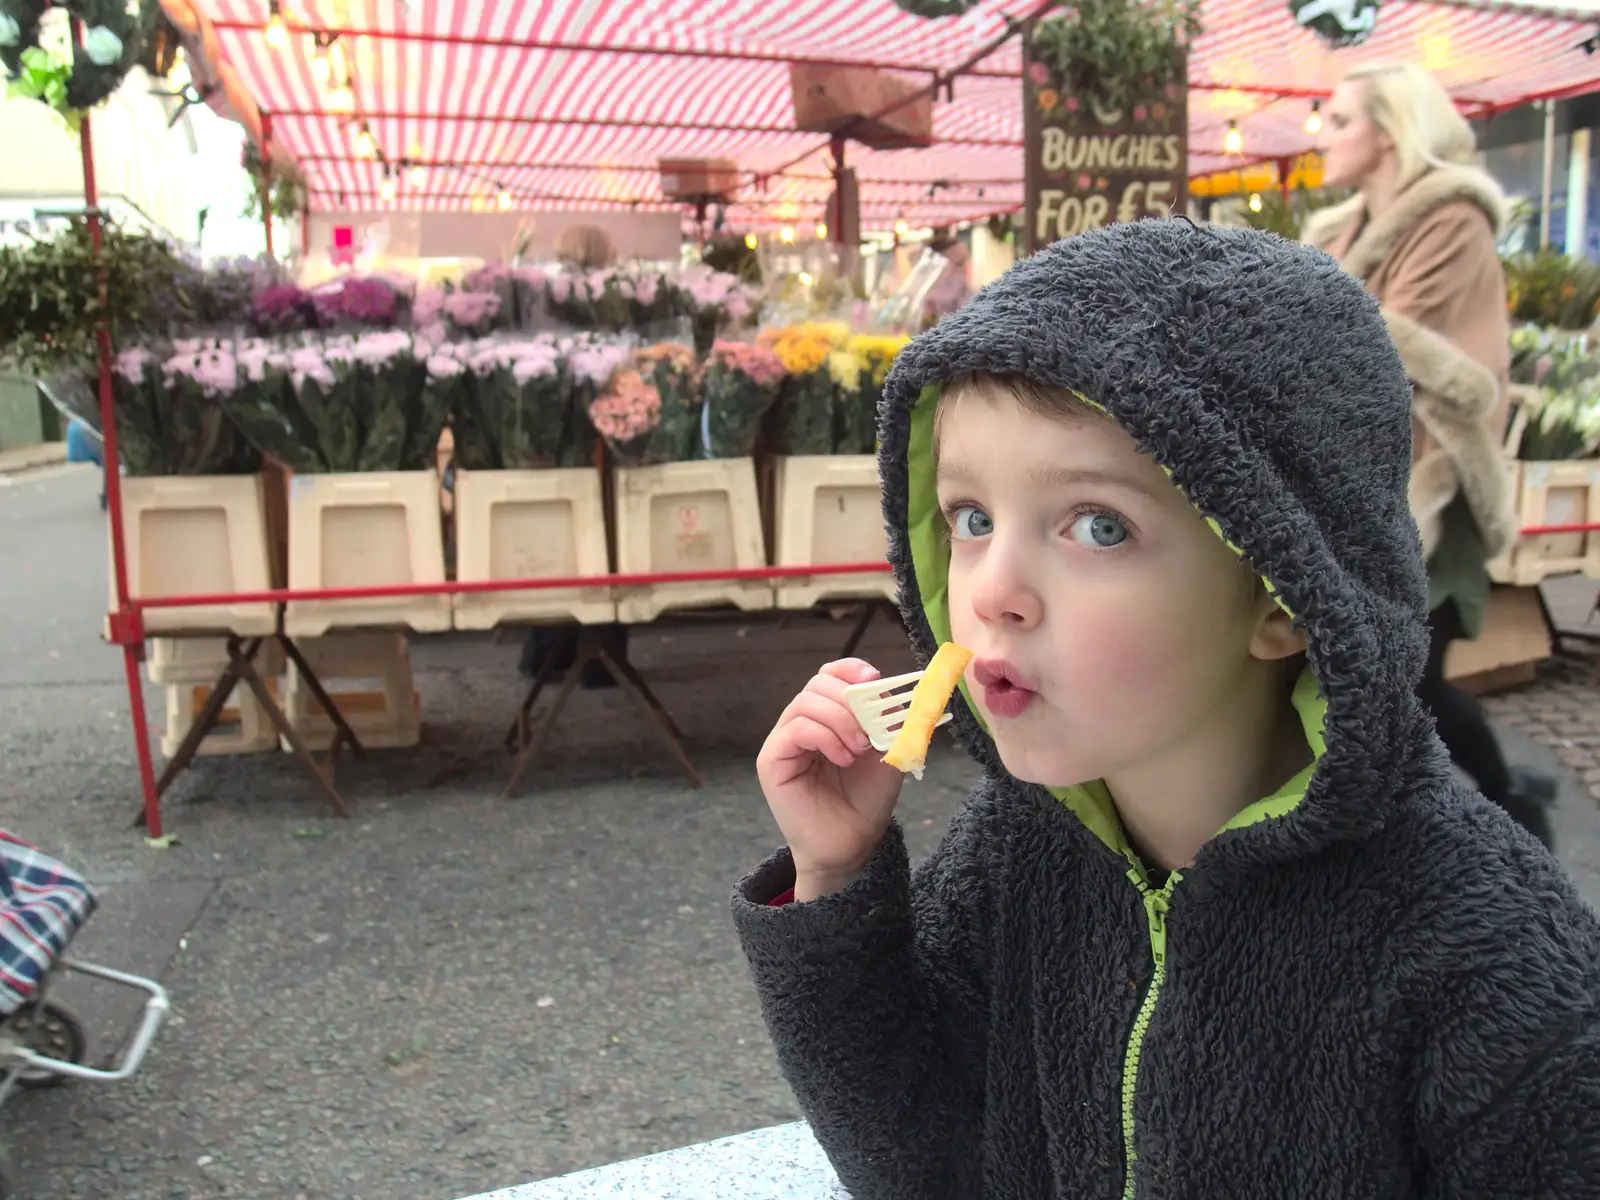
x=1114, y=52
x=1337, y=22
x=67, y=77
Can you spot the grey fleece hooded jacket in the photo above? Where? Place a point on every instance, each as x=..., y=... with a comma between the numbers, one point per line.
x=1371, y=984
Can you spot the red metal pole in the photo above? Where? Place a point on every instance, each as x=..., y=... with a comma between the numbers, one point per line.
x=264, y=184
x=126, y=623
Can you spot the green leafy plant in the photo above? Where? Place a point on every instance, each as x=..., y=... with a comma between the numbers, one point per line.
x=1118, y=51
x=283, y=186
x=1549, y=288
x=52, y=302
x=114, y=41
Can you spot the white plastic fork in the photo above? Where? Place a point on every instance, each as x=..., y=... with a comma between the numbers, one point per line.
x=879, y=707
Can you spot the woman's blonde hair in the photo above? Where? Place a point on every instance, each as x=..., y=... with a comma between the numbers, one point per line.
x=1412, y=107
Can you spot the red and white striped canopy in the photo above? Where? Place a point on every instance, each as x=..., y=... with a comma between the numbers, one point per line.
x=571, y=103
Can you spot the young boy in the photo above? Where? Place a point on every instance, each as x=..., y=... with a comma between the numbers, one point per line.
x=1219, y=923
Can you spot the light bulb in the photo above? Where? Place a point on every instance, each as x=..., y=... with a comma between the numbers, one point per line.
x=786, y=234
x=341, y=64
x=320, y=70
x=366, y=144
x=1314, y=121
x=901, y=229
x=750, y=241
x=277, y=35
x=387, y=190
x=805, y=278
x=1233, y=140
x=342, y=99
x=822, y=231
x=1255, y=201
x=418, y=175
x=503, y=200
x=479, y=204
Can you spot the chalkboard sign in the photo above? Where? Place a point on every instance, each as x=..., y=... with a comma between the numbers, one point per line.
x=1087, y=166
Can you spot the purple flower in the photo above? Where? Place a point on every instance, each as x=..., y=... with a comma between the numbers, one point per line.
x=470, y=309
x=371, y=301
x=646, y=290
x=596, y=364
x=486, y=278
x=279, y=304
x=131, y=363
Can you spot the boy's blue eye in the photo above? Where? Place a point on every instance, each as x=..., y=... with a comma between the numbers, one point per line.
x=969, y=522
x=1099, y=530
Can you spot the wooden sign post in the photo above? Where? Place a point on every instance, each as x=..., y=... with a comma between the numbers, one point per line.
x=1087, y=166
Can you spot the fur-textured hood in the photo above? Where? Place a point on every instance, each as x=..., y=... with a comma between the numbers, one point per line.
x=1457, y=397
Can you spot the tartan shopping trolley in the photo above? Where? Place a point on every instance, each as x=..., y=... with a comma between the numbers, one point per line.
x=43, y=905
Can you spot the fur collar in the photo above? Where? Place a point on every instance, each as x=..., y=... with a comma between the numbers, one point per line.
x=1432, y=191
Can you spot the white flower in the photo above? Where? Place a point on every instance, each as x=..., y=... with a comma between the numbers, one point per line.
x=10, y=31
x=102, y=46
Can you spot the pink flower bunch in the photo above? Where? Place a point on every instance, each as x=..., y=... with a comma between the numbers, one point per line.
x=534, y=277
x=596, y=363
x=380, y=349
x=428, y=306
x=215, y=370
x=253, y=355
x=307, y=362
x=444, y=366
x=760, y=365
x=629, y=408
x=469, y=310
x=130, y=364
x=486, y=278
x=560, y=287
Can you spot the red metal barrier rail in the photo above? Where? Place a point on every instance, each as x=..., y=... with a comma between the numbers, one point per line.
x=472, y=587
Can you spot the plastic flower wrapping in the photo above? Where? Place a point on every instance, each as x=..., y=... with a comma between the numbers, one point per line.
x=471, y=314
x=804, y=423
x=345, y=403
x=627, y=414
x=713, y=301
x=168, y=405
x=741, y=383
x=514, y=414
x=671, y=369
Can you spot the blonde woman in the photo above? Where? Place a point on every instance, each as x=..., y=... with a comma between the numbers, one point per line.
x=1420, y=232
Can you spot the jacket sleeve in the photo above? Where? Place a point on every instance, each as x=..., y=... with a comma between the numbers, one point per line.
x=877, y=999
x=1511, y=1089
x=1448, y=248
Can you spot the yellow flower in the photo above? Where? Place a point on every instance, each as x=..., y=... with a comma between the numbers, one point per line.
x=879, y=352
x=1048, y=98
x=800, y=351
x=846, y=369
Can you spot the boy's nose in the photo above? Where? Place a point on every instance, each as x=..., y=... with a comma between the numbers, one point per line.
x=1003, y=596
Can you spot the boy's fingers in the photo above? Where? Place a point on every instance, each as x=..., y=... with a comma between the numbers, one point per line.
x=832, y=714
x=851, y=670
x=805, y=735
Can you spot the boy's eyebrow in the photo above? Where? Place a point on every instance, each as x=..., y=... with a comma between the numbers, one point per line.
x=954, y=472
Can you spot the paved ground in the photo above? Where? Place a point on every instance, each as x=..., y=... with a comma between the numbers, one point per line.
x=449, y=993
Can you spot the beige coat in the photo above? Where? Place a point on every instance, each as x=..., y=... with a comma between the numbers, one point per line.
x=1430, y=259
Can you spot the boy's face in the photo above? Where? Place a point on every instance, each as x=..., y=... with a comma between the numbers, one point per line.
x=1110, y=625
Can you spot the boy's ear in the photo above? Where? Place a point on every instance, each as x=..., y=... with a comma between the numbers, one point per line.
x=1276, y=636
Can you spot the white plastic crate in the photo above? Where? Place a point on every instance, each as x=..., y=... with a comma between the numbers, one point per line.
x=1554, y=493
x=202, y=660
x=829, y=509
x=368, y=677
x=531, y=525
x=243, y=726
x=689, y=516
x=194, y=535
x=367, y=529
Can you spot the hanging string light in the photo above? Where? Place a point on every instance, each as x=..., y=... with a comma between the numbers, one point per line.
x=388, y=188
x=321, y=70
x=1314, y=121
x=1233, y=140
x=786, y=234
x=822, y=231
x=1255, y=201
x=751, y=241
x=418, y=176
x=901, y=228
x=503, y=200
x=366, y=145
x=276, y=34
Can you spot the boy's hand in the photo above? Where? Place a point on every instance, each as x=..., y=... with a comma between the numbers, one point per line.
x=829, y=790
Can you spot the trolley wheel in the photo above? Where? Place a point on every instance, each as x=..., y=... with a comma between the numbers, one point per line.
x=50, y=1030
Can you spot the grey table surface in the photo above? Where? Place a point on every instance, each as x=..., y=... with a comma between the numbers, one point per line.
x=783, y=1162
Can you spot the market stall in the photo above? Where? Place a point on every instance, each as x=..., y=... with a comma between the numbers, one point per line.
x=677, y=449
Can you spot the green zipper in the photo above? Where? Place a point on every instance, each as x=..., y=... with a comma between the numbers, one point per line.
x=1155, y=909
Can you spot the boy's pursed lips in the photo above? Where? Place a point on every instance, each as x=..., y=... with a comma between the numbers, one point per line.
x=1007, y=692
